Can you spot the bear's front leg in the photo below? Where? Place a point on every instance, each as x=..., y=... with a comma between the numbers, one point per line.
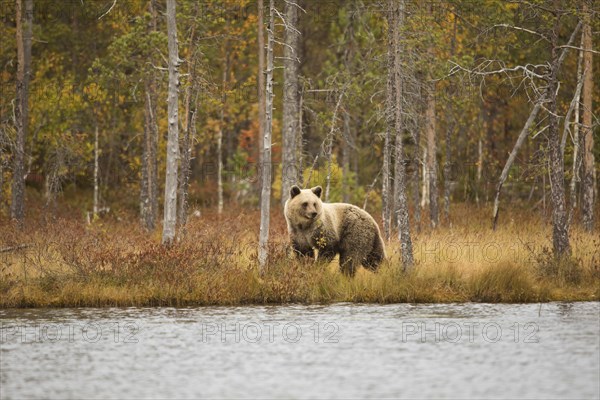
x=349, y=263
x=303, y=251
x=325, y=255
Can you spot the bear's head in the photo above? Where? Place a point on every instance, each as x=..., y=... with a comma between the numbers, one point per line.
x=304, y=205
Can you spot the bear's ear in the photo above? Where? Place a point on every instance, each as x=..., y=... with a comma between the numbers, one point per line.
x=317, y=190
x=294, y=191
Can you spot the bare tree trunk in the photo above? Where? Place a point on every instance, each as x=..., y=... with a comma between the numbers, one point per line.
x=291, y=64
x=401, y=202
x=575, y=178
x=96, y=169
x=346, y=149
x=425, y=188
x=146, y=215
x=261, y=87
x=479, y=167
x=386, y=192
x=587, y=132
x=448, y=170
x=300, y=142
x=417, y=179
x=170, y=212
x=560, y=232
x=329, y=144
x=525, y=131
x=225, y=81
x=149, y=183
x=430, y=124
x=186, y=157
x=189, y=130
x=450, y=121
x=265, y=203
x=24, y=20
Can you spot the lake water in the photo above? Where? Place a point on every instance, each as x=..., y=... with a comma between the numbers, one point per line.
x=295, y=351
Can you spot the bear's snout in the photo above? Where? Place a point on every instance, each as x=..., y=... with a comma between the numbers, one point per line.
x=312, y=215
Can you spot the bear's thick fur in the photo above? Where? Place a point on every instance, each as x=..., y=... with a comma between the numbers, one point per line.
x=332, y=228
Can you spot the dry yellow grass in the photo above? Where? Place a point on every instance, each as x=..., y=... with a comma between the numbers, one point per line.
x=114, y=263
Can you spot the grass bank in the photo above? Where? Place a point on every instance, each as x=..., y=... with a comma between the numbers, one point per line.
x=67, y=263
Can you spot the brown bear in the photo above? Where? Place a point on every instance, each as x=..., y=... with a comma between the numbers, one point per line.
x=332, y=228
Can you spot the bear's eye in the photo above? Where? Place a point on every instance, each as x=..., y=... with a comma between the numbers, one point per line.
x=304, y=205
x=315, y=205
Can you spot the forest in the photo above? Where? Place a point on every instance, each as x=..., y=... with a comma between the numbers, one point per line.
x=147, y=148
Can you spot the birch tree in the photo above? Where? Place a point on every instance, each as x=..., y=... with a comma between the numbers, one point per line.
x=170, y=207
x=24, y=20
x=265, y=201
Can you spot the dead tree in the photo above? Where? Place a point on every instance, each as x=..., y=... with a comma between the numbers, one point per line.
x=329, y=142
x=24, y=20
x=149, y=183
x=587, y=206
x=189, y=127
x=386, y=193
x=291, y=65
x=560, y=232
x=224, y=81
x=574, y=108
x=96, y=171
x=261, y=85
x=431, y=174
x=265, y=201
x=544, y=98
x=400, y=201
x=170, y=212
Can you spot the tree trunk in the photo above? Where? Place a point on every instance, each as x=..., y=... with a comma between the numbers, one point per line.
x=400, y=203
x=575, y=178
x=430, y=126
x=386, y=193
x=560, y=232
x=186, y=155
x=417, y=178
x=265, y=202
x=329, y=144
x=24, y=20
x=189, y=130
x=224, y=81
x=450, y=122
x=170, y=212
x=587, y=206
x=149, y=183
x=96, y=170
x=448, y=169
x=300, y=142
x=425, y=198
x=261, y=88
x=291, y=64
x=346, y=149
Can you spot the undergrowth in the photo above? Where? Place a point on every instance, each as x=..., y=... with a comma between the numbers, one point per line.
x=66, y=262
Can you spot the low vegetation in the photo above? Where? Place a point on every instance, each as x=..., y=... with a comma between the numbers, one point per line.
x=64, y=262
